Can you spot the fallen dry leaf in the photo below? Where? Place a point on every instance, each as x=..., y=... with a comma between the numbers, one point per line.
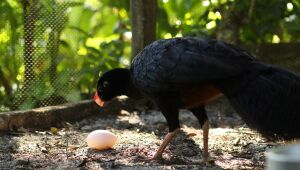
x=54, y=130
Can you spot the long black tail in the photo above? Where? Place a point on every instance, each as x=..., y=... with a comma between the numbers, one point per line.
x=269, y=102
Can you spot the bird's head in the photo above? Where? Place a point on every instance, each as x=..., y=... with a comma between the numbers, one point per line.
x=112, y=84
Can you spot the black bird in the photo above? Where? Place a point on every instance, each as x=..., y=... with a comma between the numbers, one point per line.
x=189, y=73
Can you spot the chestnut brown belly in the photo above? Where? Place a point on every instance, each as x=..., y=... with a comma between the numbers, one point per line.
x=200, y=96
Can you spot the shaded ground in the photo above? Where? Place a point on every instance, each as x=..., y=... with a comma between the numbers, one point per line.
x=231, y=144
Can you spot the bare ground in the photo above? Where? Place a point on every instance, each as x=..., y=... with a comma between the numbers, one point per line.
x=232, y=145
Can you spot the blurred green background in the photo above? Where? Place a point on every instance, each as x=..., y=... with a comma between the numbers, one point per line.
x=52, y=51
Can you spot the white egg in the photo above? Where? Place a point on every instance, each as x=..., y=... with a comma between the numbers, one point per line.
x=101, y=139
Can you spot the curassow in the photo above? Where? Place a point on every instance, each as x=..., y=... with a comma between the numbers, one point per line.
x=190, y=73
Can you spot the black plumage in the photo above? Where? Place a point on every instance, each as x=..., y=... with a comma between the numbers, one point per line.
x=183, y=61
x=270, y=103
x=190, y=73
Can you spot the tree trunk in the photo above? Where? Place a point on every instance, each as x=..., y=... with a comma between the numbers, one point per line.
x=53, y=53
x=143, y=24
x=5, y=83
x=29, y=18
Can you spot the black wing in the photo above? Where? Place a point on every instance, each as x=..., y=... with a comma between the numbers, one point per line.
x=174, y=63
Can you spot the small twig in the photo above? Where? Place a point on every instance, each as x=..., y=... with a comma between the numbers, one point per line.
x=251, y=8
x=250, y=12
x=247, y=133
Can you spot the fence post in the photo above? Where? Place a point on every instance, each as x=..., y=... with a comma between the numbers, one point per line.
x=143, y=24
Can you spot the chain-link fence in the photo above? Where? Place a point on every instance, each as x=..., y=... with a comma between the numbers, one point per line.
x=42, y=84
x=51, y=53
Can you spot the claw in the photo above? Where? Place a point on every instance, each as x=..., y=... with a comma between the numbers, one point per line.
x=158, y=154
x=153, y=156
x=208, y=160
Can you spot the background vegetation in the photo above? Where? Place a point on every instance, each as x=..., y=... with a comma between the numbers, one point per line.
x=51, y=51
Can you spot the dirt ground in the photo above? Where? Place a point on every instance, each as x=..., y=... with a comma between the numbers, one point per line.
x=231, y=144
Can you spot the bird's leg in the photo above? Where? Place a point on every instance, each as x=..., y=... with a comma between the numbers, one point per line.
x=201, y=115
x=205, y=129
x=170, y=112
x=164, y=144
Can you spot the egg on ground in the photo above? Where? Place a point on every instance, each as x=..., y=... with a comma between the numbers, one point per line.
x=101, y=140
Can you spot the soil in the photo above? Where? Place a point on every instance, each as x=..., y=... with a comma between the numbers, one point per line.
x=231, y=144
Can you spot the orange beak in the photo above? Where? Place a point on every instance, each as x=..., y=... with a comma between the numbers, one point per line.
x=98, y=100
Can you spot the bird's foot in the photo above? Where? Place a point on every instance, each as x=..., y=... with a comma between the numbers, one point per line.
x=158, y=154
x=208, y=161
x=154, y=156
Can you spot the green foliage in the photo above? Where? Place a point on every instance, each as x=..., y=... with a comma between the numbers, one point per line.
x=237, y=21
x=75, y=41
x=10, y=32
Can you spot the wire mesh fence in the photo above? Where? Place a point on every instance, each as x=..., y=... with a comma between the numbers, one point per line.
x=41, y=84
x=52, y=51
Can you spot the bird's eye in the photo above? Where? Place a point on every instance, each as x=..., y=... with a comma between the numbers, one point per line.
x=105, y=84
